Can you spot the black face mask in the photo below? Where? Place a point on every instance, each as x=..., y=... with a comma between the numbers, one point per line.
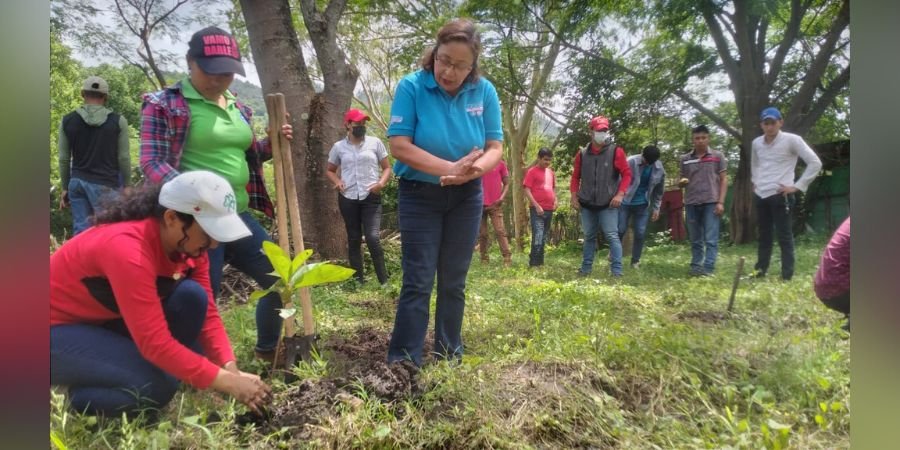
x=358, y=132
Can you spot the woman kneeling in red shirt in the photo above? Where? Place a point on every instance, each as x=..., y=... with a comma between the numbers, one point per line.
x=131, y=310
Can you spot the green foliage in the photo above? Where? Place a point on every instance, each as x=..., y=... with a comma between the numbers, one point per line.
x=65, y=86
x=556, y=361
x=127, y=84
x=294, y=274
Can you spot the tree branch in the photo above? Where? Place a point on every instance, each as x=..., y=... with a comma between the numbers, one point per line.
x=167, y=14
x=802, y=123
x=790, y=36
x=817, y=69
x=718, y=120
x=718, y=37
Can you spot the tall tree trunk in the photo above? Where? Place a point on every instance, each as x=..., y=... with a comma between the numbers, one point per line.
x=518, y=129
x=281, y=66
x=326, y=122
x=517, y=140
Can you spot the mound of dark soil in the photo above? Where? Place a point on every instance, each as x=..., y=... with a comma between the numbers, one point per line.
x=359, y=359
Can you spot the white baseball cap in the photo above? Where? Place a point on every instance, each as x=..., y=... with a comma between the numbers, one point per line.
x=209, y=198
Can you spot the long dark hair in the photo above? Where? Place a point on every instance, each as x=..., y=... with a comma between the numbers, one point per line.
x=137, y=204
x=456, y=30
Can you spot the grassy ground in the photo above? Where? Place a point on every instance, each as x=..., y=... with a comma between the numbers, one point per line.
x=556, y=361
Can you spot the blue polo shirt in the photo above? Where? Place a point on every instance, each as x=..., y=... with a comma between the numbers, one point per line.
x=447, y=127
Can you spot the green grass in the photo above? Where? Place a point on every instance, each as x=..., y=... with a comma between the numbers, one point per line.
x=555, y=361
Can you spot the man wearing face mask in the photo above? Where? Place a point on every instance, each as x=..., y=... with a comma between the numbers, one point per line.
x=600, y=178
x=643, y=198
x=365, y=171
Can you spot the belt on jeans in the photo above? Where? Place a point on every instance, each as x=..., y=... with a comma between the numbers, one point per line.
x=430, y=184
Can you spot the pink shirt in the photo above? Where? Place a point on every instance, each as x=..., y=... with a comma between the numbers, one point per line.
x=492, y=183
x=542, y=184
x=833, y=277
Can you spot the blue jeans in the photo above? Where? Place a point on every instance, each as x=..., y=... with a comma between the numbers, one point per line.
x=607, y=221
x=103, y=368
x=247, y=256
x=540, y=234
x=774, y=212
x=703, y=231
x=85, y=199
x=640, y=215
x=438, y=230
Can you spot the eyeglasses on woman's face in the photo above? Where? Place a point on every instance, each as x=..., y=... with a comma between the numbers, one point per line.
x=459, y=67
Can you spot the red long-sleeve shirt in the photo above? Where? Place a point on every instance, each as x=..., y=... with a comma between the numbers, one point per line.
x=128, y=257
x=619, y=161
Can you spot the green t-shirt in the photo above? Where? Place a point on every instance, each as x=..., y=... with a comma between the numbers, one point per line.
x=217, y=140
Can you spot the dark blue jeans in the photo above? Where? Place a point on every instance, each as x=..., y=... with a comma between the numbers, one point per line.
x=246, y=255
x=604, y=220
x=774, y=212
x=438, y=230
x=85, y=199
x=364, y=216
x=540, y=235
x=703, y=231
x=640, y=215
x=103, y=368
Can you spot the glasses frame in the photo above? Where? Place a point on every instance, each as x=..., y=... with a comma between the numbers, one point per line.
x=445, y=61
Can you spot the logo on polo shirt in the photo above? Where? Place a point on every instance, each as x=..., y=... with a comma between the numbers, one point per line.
x=396, y=119
x=475, y=109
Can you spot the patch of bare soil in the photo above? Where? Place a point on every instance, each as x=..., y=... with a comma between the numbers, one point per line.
x=532, y=382
x=352, y=360
x=704, y=316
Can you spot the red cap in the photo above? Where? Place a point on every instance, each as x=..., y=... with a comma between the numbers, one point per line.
x=355, y=115
x=599, y=123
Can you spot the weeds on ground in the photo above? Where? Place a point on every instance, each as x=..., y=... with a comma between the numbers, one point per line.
x=552, y=360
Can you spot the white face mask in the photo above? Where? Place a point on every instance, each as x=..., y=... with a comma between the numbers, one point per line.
x=600, y=136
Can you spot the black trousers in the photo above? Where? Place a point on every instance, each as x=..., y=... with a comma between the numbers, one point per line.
x=363, y=217
x=774, y=214
x=840, y=303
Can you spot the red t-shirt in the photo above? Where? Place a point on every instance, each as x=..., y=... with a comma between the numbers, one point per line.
x=542, y=184
x=492, y=183
x=128, y=257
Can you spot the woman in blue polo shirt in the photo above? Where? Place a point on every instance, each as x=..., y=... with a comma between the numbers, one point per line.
x=445, y=132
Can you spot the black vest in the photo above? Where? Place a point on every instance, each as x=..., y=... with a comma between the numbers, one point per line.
x=94, y=150
x=599, y=178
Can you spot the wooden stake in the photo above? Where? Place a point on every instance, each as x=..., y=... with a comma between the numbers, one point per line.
x=737, y=279
x=281, y=196
x=293, y=206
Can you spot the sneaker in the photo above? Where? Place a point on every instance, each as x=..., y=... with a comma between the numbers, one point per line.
x=507, y=261
x=636, y=265
x=581, y=274
x=757, y=274
x=697, y=273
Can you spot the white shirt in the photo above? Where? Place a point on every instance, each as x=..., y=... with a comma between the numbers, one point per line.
x=773, y=164
x=359, y=165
